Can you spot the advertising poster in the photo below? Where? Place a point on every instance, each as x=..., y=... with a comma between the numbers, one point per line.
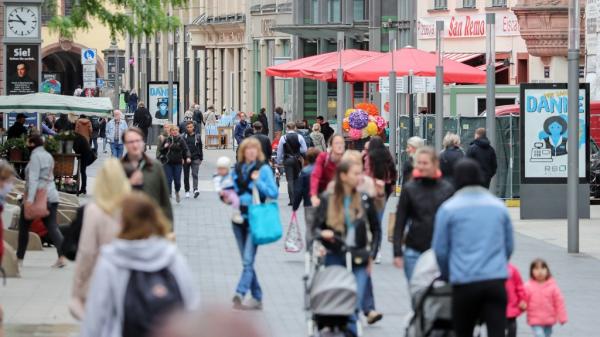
x=158, y=101
x=22, y=73
x=31, y=121
x=544, y=136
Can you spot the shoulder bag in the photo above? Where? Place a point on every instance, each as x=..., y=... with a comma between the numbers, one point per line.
x=265, y=223
x=38, y=209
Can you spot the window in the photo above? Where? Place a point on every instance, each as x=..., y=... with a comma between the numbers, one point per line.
x=359, y=10
x=48, y=10
x=68, y=7
x=335, y=10
x=469, y=3
x=440, y=4
x=148, y=60
x=498, y=3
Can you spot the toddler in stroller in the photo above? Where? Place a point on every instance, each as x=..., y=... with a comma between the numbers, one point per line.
x=431, y=300
x=330, y=295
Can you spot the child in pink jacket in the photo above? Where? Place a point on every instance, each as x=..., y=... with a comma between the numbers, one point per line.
x=545, y=303
x=516, y=299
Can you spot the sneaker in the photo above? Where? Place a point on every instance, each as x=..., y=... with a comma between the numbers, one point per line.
x=253, y=304
x=196, y=194
x=177, y=197
x=59, y=264
x=237, y=217
x=187, y=195
x=237, y=302
x=20, y=263
x=378, y=258
x=374, y=317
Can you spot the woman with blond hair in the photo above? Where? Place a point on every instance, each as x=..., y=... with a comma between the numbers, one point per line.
x=317, y=137
x=250, y=172
x=100, y=226
x=140, y=278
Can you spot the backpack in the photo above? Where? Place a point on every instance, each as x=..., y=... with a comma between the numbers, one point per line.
x=307, y=139
x=149, y=298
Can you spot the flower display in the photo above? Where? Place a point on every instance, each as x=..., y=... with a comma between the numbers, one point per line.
x=349, y=111
x=358, y=119
x=369, y=108
x=355, y=134
x=346, y=125
x=380, y=121
x=372, y=129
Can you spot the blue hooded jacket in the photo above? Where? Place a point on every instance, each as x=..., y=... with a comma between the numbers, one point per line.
x=267, y=188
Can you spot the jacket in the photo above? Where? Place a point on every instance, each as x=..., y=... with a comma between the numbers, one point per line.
x=407, y=170
x=327, y=131
x=448, y=158
x=302, y=188
x=110, y=131
x=142, y=118
x=98, y=229
x=194, y=145
x=104, y=307
x=284, y=151
x=63, y=124
x=318, y=141
x=419, y=201
x=198, y=118
x=82, y=147
x=323, y=173
x=265, y=144
x=239, y=131
x=473, y=237
x=265, y=184
x=176, y=151
x=16, y=130
x=482, y=151
x=103, y=123
x=545, y=303
x=155, y=184
x=39, y=173
x=277, y=122
x=262, y=118
x=515, y=292
x=366, y=227
x=84, y=128
x=132, y=99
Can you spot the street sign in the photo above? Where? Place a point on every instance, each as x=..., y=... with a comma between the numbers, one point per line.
x=89, y=84
x=401, y=85
x=423, y=84
x=88, y=56
x=89, y=68
x=89, y=76
x=100, y=82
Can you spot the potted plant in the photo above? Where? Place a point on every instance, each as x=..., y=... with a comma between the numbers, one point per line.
x=52, y=145
x=66, y=140
x=15, y=149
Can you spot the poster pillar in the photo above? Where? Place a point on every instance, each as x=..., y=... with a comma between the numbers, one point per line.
x=545, y=148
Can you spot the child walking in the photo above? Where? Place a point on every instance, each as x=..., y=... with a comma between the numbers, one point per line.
x=516, y=299
x=545, y=303
x=224, y=186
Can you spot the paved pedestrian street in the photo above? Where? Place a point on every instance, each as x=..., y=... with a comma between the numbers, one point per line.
x=36, y=303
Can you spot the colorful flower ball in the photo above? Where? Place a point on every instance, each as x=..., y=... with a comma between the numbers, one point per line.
x=380, y=121
x=372, y=129
x=358, y=119
x=349, y=111
x=355, y=134
x=345, y=125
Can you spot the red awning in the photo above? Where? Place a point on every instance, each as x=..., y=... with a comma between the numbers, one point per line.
x=462, y=57
x=323, y=66
x=422, y=63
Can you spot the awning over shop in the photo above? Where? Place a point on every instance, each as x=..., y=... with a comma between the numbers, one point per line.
x=500, y=66
x=462, y=57
x=51, y=103
x=421, y=63
x=324, y=31
x=322, y=67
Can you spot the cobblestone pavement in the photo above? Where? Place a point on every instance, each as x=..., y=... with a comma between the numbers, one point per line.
x=35, y=304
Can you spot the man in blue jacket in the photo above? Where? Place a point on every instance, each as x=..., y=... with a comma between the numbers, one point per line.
x=240, y=129
x=472, y=241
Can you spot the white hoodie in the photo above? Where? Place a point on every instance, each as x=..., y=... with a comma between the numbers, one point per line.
x=104, y=307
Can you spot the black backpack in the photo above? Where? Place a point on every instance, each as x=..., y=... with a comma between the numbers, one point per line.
x=149, y=299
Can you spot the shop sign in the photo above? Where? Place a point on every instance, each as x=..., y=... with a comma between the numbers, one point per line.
x=468, y=26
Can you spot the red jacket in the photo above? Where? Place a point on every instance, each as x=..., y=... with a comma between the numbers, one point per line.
x=322, y=174
x=545, y=303
x=515, y=292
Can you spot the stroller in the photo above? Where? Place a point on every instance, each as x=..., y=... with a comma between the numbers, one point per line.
x=329, y=295
x=431, y=300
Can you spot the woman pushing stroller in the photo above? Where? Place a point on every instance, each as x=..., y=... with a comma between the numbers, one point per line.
x=344, y=218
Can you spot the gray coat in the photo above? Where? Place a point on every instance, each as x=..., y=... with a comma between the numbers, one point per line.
x=106, y=296
x=318, y=141
x=39, y=174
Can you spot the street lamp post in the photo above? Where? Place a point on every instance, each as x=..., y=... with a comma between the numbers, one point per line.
x=439, y=87
x=170, y=78
x=490, y=102
x=340, y=84
x=573, y=129
x=393, y=99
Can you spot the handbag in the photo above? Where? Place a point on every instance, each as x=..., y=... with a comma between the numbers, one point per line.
x=265, y=223
x=38, y=209
x=293, y=237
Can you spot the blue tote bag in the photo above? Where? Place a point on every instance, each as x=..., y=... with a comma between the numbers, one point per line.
x=265, y=223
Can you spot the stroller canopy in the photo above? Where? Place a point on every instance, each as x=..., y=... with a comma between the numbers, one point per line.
x=333, y=292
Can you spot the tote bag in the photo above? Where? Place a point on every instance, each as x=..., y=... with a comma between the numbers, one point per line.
x=265, y=223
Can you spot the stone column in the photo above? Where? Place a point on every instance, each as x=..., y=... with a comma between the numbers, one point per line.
x=237, y=100
x=226, y=66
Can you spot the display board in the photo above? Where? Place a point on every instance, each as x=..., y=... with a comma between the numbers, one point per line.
x=158, y=101
x=544, y=136
x=22, y=72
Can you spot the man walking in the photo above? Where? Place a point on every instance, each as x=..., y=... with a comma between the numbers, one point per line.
x=290, y=152
x=265, y=142
x=484, y=154
x=240, y=128
x=142, y=119
x=149, y=175
x=114, y=132
x=326, y=129
x=194, y=144
x=198, y=118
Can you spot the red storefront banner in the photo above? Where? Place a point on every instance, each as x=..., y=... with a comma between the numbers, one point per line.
x=468, y=26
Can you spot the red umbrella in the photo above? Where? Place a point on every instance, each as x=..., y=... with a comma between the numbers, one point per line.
x=422, y=63
x=323, y=66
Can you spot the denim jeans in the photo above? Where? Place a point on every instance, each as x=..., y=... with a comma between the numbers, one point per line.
x=173, y=173
x=542, y=330
x=192, y=168
x=116, y=150
x=368, y=303
x=362, y=277
x=248, y=279
x=410, y=261
x=53, y=232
